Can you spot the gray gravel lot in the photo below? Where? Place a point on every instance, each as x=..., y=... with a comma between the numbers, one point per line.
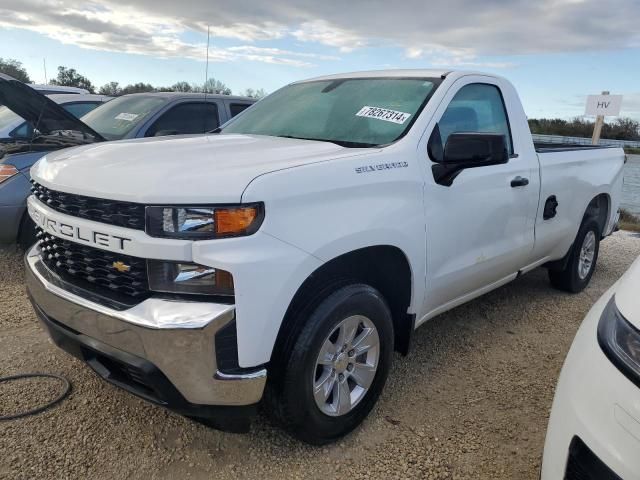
x=470, y=401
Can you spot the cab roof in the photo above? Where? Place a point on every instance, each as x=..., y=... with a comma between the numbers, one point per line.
x=397, y=73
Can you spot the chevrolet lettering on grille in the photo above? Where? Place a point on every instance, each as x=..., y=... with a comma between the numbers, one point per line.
x=77, y=233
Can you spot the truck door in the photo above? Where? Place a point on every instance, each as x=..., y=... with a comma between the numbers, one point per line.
x=480, y=229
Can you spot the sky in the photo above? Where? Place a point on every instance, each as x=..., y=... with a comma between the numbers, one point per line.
x=555, y=51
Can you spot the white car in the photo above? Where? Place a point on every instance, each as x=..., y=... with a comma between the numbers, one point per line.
x=594, y=428
x=58, y=89
x=288, y=255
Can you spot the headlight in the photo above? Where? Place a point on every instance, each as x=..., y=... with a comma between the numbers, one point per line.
x=189, y=278
x=202, y=223
x=620, y=342
x=7, y=171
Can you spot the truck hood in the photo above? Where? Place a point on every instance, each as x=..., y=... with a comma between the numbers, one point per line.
x=627, y=294
x=41, y=112
x=180, y=170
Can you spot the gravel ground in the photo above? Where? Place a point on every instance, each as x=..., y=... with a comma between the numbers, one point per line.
x=470, y=401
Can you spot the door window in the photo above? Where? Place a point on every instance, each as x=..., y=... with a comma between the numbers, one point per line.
x=23, y=131
x=477, y=107
x=236, y=108
x=186, y=118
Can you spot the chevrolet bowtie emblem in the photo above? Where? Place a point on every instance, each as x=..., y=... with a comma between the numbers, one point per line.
x=121, y=266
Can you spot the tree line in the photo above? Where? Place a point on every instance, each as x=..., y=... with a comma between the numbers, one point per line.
x=618, y=129
x=70, y=77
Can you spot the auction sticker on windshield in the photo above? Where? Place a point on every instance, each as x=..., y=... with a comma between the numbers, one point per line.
x=383, y=114
x=129, y=117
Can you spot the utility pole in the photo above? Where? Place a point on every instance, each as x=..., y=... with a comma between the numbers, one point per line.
x=44, y=63
x=597, y=128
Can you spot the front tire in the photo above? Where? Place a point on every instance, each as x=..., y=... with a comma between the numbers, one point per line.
x=333, y=375
x=582, y=260
x=27, y=233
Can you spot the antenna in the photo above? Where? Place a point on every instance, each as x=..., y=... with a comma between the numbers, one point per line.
x=206, y=68
x=206, y=78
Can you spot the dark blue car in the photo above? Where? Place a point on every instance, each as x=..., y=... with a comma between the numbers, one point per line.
x=130, y=116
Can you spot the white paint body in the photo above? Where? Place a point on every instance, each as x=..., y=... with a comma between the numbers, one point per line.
x=460, y=241
x=593, y=399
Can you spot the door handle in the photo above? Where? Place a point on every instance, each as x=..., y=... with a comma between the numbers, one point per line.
x=519, y=182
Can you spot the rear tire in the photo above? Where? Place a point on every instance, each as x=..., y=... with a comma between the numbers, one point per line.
x=577, y=273
x=342, y=352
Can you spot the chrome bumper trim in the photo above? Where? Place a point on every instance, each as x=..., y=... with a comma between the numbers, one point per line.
x=178, y=337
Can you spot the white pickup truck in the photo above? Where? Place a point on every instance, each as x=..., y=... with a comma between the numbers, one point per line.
x=283, y=258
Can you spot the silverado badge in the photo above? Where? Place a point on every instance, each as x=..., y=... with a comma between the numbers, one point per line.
x=121, y=266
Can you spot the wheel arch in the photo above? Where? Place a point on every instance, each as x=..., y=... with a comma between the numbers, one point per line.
x=599, y=208
x=384, y=267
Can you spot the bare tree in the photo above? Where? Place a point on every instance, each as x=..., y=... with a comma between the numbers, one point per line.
x=138, y=88
x=250, y=92
x=216, y=86
x=181, y=87
x=112, y=89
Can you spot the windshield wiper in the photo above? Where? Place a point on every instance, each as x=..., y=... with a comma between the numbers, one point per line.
x=341, y=143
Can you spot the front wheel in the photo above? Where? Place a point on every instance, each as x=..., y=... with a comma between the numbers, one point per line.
x=335, y=372
x=27, y=233
x=582, y=260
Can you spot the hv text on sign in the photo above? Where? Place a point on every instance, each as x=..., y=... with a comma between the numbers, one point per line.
x=606, y=105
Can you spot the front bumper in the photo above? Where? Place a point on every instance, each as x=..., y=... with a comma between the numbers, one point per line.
x=161, y=350
x=595, y=407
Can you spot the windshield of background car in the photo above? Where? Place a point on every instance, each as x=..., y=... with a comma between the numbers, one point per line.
x=353, y=112
x=116, y=118
x=8, y=119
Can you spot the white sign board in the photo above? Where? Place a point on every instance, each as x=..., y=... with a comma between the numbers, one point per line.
x=607, y=105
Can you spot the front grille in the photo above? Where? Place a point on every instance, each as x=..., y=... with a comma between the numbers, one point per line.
x=112, y=212
x=86, y=266
x=583, y=464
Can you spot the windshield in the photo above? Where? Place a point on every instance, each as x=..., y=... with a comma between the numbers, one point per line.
x=8, y=119
x=115, y=119
x=358, y=112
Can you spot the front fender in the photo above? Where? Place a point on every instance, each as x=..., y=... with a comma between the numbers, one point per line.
x=332, y=208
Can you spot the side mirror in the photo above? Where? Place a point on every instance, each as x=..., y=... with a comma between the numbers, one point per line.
x=469, y=150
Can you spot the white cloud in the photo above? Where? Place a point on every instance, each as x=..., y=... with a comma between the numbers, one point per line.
x=247, y=32
x=320, y=31
x=131, y=30
x=455, y=33
x=414, y=52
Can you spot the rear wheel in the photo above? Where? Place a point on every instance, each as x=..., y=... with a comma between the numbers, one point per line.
x=338, y=364
x=576, y=274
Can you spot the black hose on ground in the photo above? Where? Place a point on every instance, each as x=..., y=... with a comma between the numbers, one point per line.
x=55, y=401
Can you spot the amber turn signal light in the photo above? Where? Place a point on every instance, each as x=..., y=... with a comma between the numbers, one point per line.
x=236, y=220
x=7, y=171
